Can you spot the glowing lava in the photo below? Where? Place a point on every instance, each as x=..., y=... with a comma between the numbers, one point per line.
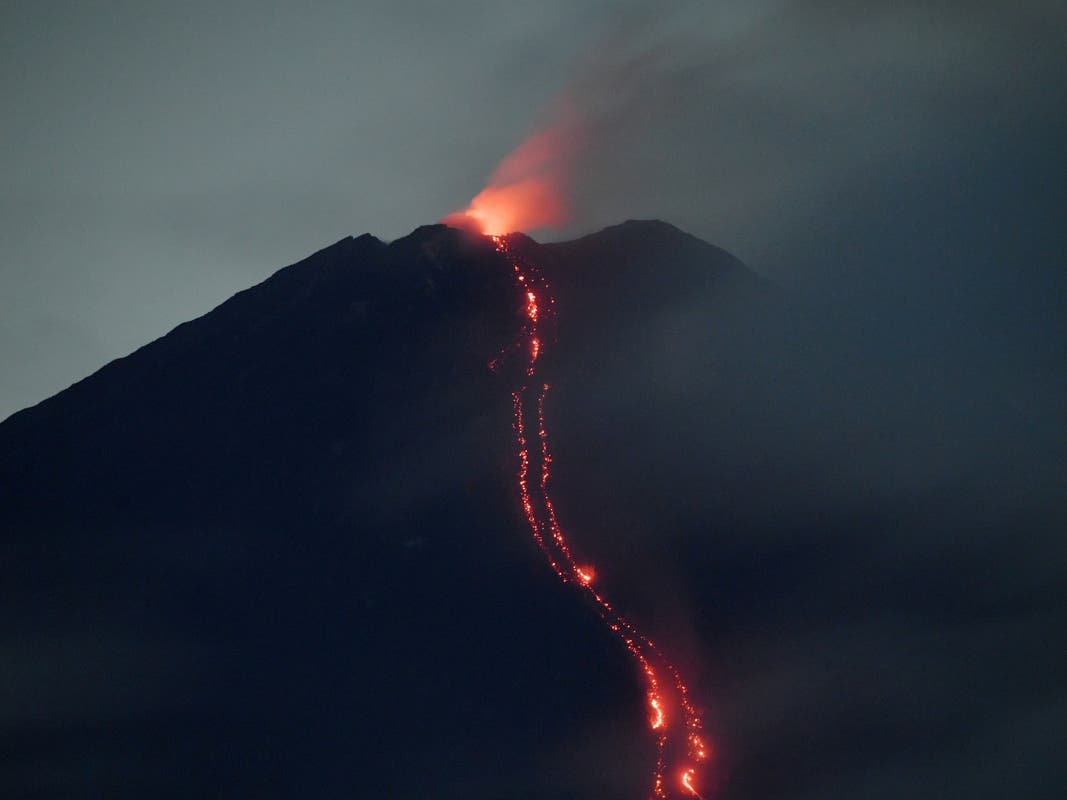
x=687, y=781
x=673, y=718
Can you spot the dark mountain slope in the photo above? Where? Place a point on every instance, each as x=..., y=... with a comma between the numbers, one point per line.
x=277, y=552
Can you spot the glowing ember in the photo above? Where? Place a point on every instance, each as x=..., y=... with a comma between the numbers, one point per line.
x=672, y=716
x=657, y=713
x=688, y=776
x=531, y=306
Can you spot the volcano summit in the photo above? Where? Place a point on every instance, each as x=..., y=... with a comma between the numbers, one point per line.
x=280, y=550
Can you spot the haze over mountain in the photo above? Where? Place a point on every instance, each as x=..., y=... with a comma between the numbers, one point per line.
x=278, y=552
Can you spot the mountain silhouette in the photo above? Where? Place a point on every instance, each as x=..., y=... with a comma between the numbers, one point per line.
x=278, y=551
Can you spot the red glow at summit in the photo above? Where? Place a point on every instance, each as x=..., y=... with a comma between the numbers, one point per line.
x=527, y=191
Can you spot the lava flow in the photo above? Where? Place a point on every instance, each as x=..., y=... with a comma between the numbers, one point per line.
x=672, y=717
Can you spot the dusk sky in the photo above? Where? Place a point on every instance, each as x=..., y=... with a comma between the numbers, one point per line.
x=157, y=158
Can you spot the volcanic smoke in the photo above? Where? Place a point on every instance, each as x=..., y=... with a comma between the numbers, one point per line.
x=527, y=190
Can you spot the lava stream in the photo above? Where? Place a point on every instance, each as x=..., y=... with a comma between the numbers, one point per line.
x=673, y=719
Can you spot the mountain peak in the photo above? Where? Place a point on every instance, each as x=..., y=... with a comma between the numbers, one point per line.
x=455, y=268
x=315, y=470
x=646, y=225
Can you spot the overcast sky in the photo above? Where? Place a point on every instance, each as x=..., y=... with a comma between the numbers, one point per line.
x=156, y=158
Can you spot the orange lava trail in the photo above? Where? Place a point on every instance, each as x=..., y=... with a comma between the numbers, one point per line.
x=673, y=719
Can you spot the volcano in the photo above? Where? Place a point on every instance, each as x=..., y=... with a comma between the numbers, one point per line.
x=280, y=550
